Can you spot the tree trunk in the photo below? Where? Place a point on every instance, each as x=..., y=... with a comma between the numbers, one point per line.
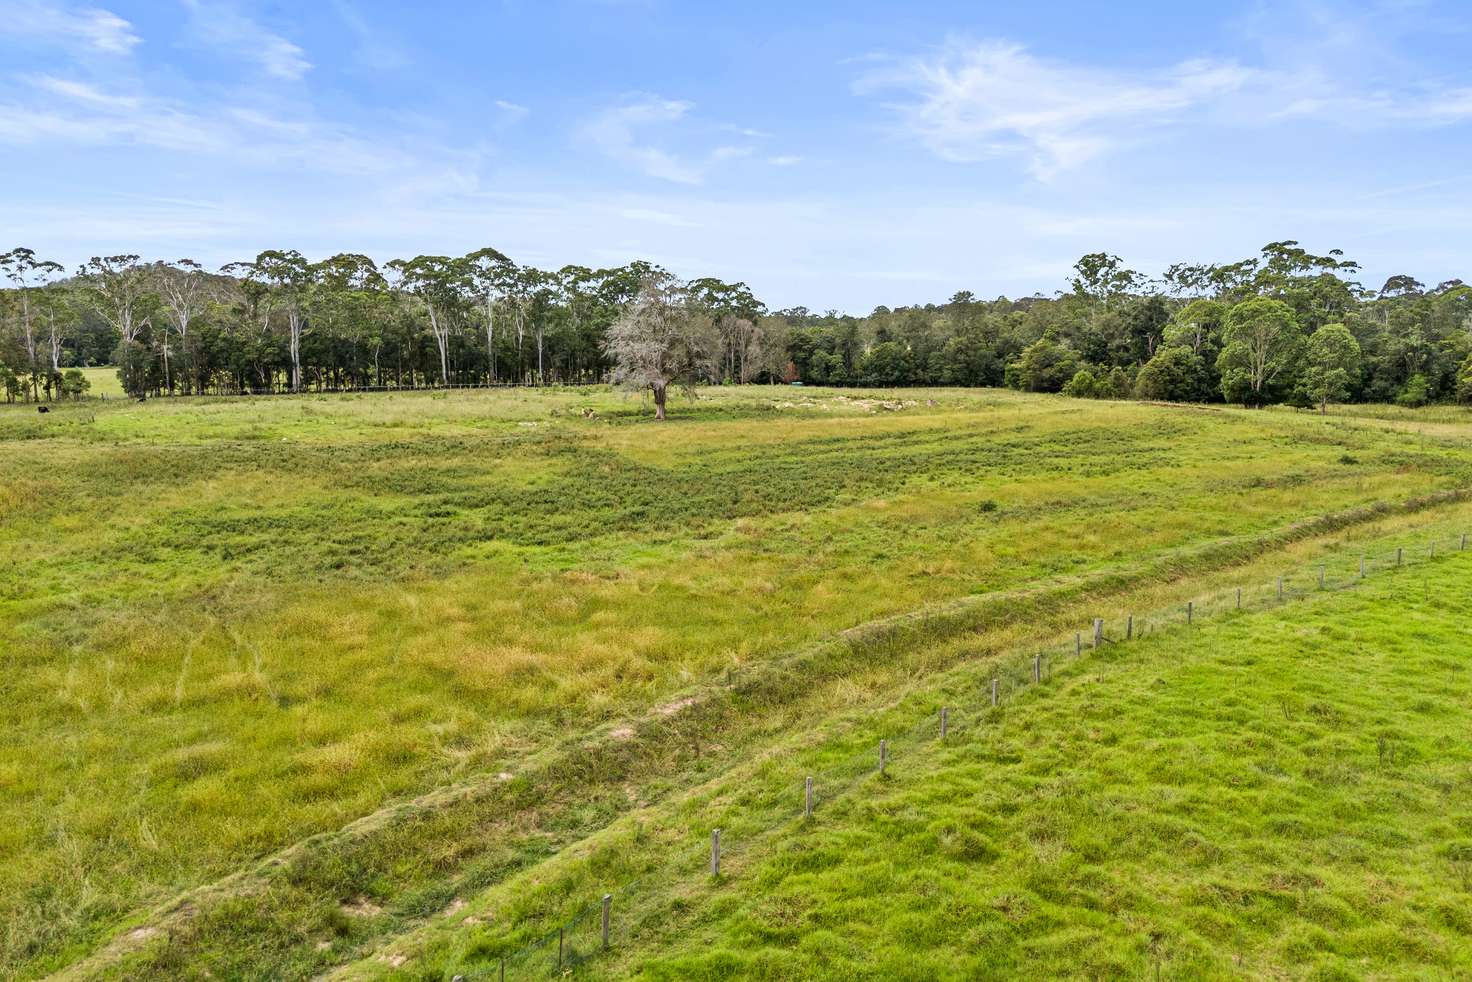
x=295, y=323
x=659, y=394
x=491, y=339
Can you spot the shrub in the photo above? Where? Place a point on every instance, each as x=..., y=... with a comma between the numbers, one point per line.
x=1416, y=392
x=1083, y=385
x=1175, y=374
x=1044, y=366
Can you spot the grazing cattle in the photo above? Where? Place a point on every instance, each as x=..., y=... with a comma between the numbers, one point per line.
x=43, y=409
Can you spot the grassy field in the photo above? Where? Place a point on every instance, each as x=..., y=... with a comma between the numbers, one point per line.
x=103, y=381
x=1274, y=794
x=306, y=671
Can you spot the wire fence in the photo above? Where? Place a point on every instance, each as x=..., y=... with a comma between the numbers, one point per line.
x=600, y=925
x=311, y=390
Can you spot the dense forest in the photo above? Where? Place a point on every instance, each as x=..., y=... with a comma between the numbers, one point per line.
x=1283, y=327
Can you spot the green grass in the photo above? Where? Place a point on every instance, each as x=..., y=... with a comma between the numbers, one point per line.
x=234, y=624
x=104, y=381
x=1276, y=794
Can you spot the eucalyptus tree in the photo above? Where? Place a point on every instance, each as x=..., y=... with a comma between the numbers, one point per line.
x=491, y=277
x=585, y=300
x=251, y=309
x=350, y=295
x=26, y=274
x=1195, y=325
x=523, y=288
x=122, y=291
x=1191, y=280
x=735, y=310
x=57, y=305
x=1102, y=278
x=186, y=290
x=1313, y=286
x=441, y=284
x=577, y=294
x=539, y=293
x=1262, y=345
x=285, y=278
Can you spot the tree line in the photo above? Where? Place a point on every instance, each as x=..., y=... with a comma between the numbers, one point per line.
x=1286, y=326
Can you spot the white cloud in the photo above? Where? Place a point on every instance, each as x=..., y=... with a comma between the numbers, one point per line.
x=616, y=132
x=224, y=27
x=87, y=28
x=971, y=101
x=511, y=111
x=1451, y=105
x=643, y=134
x=784, y=160
x=64, y=111
x=83, y=92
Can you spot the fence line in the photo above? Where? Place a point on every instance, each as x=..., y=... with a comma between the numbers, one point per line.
x=588, y=932
x=349, y=390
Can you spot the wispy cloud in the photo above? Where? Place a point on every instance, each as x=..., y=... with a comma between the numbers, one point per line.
x=1426, y=105
x=226, y=28
x=88, y=28
x=511, y=111
x=84, y=92
x=619, y=133
x=642, y=133
x=64, y=111
x=375, y=49
x=972, y=100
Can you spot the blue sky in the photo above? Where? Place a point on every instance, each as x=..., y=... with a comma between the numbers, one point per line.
x=833, y=155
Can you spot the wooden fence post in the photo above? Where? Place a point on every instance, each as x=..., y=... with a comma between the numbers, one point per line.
x=1464, y=541
x=715, y=852
x=1098, y=632
x=1398, y=557
x=559, y=948
x=607, y=900
x=944, y=714
x=1190, y=605
x=994, y=692
x=1078, y=644
x=1129, y=627
x=1321, y=577
x=883, y=755
x=1362, y=567
x=1280, y=588
x=808, y=798
x=1239, y=598
x=1037, y=668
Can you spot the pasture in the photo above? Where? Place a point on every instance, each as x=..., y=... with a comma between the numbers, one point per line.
x=1272, y=794
x=413, y=644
